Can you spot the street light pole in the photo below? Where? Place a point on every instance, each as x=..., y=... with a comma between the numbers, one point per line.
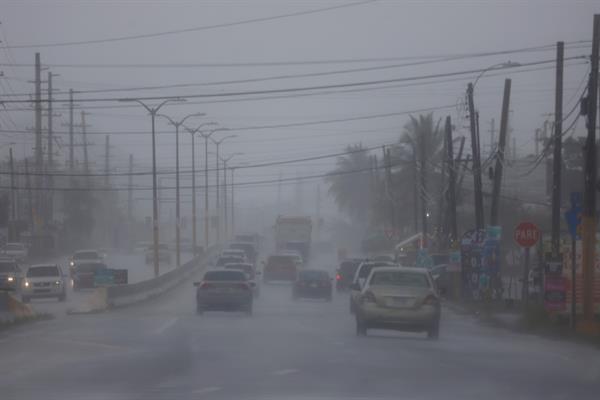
x=153, y=111
x=193, y=132
x=225, y=160
x=217, y=143
x=177, y=124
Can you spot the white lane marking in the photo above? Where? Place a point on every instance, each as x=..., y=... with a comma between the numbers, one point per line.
x=85, y=343
x=209, y=389
x=283, y=372
x=169, y=323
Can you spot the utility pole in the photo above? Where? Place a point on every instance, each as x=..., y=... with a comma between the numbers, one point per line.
x=318, y=208
x=388, y=185
x=588, y=220
x=443, y=190
x=453, y=230
x=232, y=203
x=492, y=134
x=86, y=166
x=479, y=220
x=225, y=204
x=13, y=203
x=71, y=137
x=415, y=190
x=557, y=159
x=500, y=154
x=50, y=204
x=38, y=134
x=29, y=193
x=130, y=191
x=106, y=159
x=514, y=147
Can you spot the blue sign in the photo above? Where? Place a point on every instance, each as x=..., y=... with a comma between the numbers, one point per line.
x=573, y=215
x=104, y=277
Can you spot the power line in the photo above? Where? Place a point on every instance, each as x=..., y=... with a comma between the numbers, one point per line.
x=305, y=88
x=187, y=30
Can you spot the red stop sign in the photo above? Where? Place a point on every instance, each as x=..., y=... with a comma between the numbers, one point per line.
x=527, y=234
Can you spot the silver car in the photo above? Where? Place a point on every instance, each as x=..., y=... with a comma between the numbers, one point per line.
x=45, y=280
x=399, y=298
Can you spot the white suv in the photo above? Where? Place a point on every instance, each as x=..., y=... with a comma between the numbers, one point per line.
x=44, y=280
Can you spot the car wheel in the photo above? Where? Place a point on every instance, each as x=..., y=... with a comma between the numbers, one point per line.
x=434, y=332
x=361, y=327
x=25, y=299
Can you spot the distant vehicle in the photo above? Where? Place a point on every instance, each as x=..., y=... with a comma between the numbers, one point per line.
x=250, y=270
x=253, y=238
x=140, y=247
x=234, y=253
x=345, y=273
x=294, y=254
x=44, y=280
x=280, y=268
x=293, y=233
x=224, y=260
x=399, y=298
x=224, y=289
x=84, y=274
x=164, y=254
x=383, y=257
x=10, y=274
x=84, y=256
x=313, y=283
x=360, y=276
x=248, y=248
x=18, y=251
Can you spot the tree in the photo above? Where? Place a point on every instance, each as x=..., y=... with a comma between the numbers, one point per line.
x=350, y=183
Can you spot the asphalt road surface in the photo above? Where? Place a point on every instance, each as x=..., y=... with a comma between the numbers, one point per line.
x=286, y=350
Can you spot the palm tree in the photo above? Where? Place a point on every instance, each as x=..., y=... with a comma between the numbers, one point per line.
x=350, y=183
x=425, y=138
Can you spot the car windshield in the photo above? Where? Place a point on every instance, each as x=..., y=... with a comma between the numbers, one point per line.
x=399, y=278
x=229, y=275
x=86, y=255
x=313, y=275
x=7, y=267
x=90, y=267
x=46, y=270
x=365, y=269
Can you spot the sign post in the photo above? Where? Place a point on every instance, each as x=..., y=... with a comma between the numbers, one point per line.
x=526, y=235
x=573, y=217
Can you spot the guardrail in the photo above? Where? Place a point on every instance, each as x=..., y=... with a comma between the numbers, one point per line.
x=104, y=298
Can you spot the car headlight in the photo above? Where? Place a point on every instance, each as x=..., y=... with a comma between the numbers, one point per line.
x=72, y=263
x=57, y=283
x=10, y=278
x=26, y=284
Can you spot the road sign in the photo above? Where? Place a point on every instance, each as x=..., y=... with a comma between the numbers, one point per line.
x=573, y=218
x=555, y=293
x=527, y=234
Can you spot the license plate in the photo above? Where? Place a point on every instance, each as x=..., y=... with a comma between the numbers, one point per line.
x=398, y=302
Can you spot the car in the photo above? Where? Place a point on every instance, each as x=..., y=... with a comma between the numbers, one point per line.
x=84, y=274
x=249, y=270
x=313, y=283
x=280, y=267
x=234, y=253
x=345, y=273
x=10, y=274
x=224, y=260
x=398, y=298
x=44, y=280
x=248, y=249
x=295, y=255
x=164, y=254
x=224, y=290
x=360, y=276
x=18, y=251
x=383, y=257
x=84, y=256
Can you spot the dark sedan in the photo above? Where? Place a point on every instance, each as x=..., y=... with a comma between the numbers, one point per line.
x=224, y=290
x=313, y=283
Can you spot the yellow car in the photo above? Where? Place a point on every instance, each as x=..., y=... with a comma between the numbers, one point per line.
x=399, y=298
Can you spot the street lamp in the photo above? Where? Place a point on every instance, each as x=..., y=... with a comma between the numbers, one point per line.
x=207, y=136
x=153, y=111
x=225, y=160
x=177, y=124
x=217, y=144
x=508, y=64
x=193, y=132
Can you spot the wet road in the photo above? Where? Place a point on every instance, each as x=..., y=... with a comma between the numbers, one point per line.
x=291, y=350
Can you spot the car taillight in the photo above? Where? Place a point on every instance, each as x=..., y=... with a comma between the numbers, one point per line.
x=369, y=297
x=430, y=300
x=338, y=277
x=243, y=286
x=205, y=285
